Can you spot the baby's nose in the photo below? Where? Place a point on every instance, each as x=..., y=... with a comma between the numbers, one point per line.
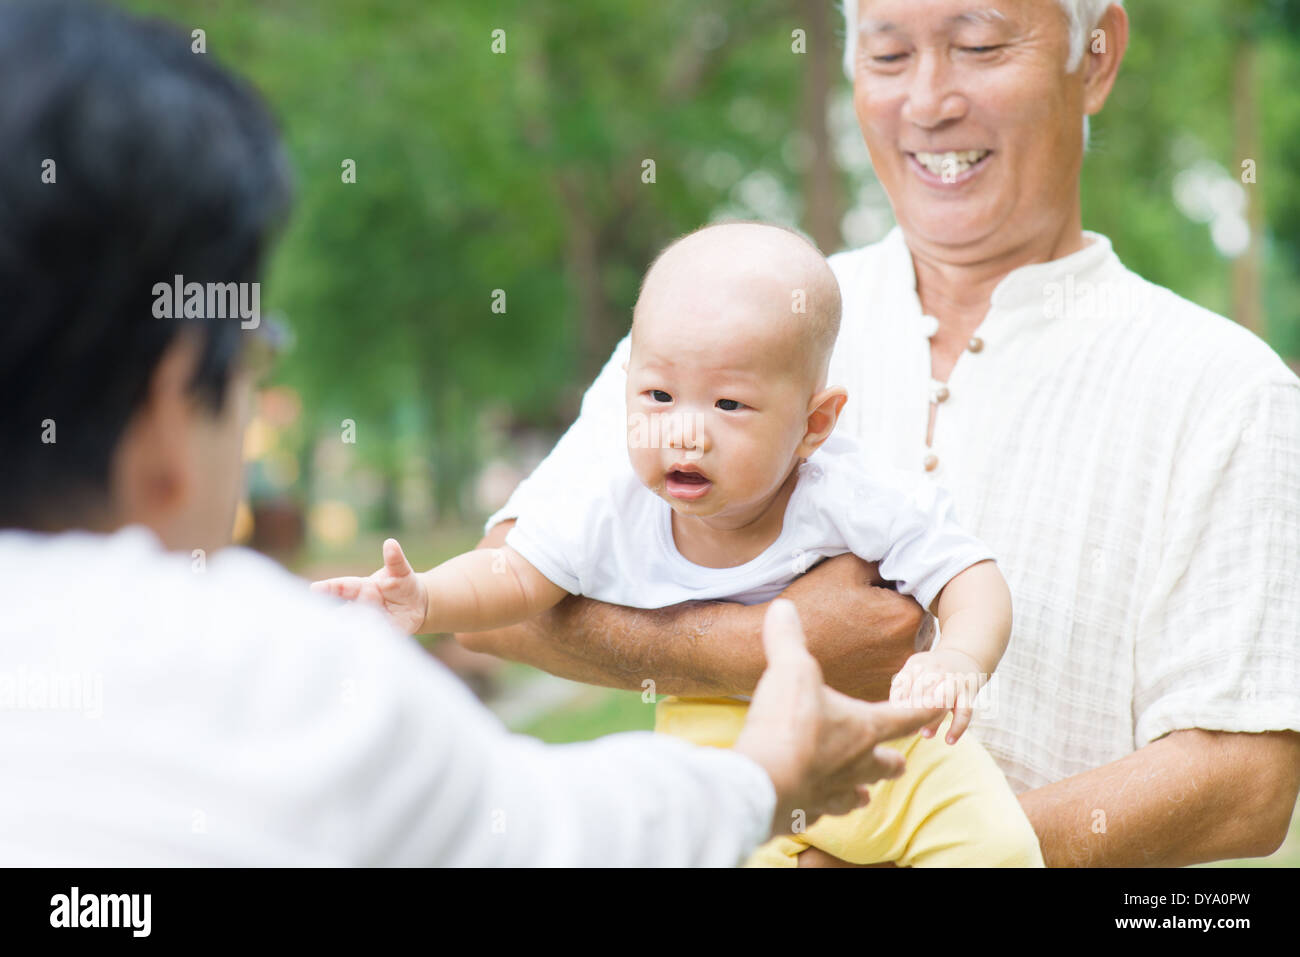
x=690, y=434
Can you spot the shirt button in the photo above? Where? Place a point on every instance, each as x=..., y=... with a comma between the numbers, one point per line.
x=931, y=462
x=976, y=345
x=941, y=394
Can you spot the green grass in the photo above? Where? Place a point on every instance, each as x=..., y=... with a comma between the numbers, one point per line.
x=603, y=712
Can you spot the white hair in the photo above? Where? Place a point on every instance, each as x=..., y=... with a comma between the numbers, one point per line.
x=1083, y=15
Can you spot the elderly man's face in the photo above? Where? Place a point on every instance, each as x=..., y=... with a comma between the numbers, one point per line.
x=974, y=127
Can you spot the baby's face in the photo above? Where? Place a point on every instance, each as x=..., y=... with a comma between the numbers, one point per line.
x=717, y=401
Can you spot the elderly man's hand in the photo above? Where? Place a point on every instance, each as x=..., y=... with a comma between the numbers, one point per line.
x=819, y=747
x=861, y=632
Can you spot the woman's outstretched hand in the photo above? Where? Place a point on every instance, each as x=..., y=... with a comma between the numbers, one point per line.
x=819, y=747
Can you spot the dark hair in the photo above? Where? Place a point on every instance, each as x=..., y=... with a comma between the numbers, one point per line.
x=164, y=164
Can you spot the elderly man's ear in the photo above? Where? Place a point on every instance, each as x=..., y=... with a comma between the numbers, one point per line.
x=1103, y=53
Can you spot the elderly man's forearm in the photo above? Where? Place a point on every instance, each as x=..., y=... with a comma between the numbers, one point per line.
x=1191, y=797
x=860, y=636
x=683, y=650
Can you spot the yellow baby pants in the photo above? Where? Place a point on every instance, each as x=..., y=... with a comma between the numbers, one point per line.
x=952, y=807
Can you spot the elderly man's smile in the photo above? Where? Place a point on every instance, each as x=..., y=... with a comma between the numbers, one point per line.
x=952, y=168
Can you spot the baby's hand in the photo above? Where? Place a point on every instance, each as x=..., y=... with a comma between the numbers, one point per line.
x=395, y=589
x=942, y=679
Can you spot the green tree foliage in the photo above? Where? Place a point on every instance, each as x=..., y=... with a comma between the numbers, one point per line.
x=523, y=171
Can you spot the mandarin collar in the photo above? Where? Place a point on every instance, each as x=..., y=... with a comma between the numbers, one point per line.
x=1020, y=287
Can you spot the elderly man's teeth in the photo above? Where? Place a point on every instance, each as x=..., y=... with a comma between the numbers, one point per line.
x=952, y=164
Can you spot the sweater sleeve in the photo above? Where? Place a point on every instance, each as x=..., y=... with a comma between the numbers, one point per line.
x=446, y=784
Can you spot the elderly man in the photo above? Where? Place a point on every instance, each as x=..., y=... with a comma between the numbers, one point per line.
x=1132, y=459
x=204, y=708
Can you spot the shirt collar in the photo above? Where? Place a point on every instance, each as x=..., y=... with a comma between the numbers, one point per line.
x=131, y=536
x=1020, y=287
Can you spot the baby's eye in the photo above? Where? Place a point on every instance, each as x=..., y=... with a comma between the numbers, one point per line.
x=729, y=405
x=659, y=395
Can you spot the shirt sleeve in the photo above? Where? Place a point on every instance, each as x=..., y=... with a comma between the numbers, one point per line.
x=552, y=542
x=599, y=430
x=433, y=778
x=906, y=523
x=1218, y=643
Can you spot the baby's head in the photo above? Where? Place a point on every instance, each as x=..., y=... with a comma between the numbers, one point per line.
x=731, y=342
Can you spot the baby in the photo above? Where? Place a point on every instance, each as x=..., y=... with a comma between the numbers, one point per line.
x=732, y=487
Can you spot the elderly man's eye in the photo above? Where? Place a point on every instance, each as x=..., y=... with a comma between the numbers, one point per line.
x=889, y=57
x=988, y=49
x=729, y=405
x=659, y=395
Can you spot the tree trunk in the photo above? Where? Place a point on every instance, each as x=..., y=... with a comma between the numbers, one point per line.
x=582, y=263
x=822, y=206
x=1247, y=298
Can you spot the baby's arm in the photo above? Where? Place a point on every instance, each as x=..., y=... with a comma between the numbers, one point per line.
x=486, y=589
x=480, y=590
x=974, y=612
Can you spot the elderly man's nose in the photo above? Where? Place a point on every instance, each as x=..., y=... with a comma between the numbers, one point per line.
x=931, y=100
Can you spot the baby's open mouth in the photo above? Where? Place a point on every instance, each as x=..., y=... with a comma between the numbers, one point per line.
x=686, y=485
x=694, y=478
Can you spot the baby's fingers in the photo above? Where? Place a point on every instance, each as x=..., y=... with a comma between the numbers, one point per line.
x=929, y=730
x=941, y=694
x=395, y=562
x=961, y=717
x=900, y=689
x=348, y=589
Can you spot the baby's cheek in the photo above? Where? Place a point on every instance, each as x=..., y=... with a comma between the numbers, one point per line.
x=644, y=464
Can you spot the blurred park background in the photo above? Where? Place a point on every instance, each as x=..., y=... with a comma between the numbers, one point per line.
x=515, y=178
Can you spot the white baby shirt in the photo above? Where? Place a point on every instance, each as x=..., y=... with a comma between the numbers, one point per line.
x=616, y=544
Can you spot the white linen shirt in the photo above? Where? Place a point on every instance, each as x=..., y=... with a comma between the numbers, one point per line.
x=615, y=542
x=159, y=711
x=1132, y=460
